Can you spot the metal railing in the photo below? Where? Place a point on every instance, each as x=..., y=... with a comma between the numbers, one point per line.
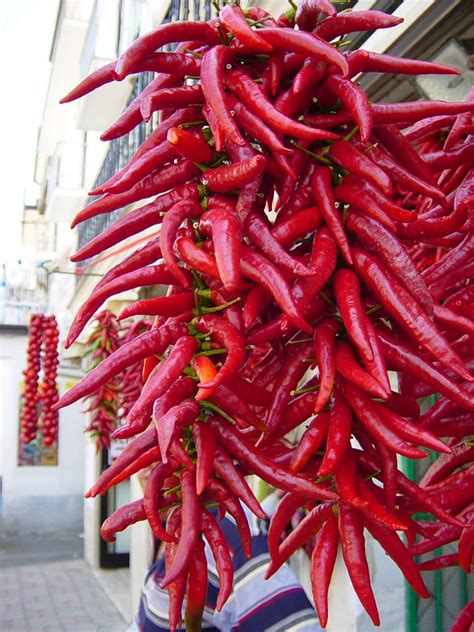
x=122, y=149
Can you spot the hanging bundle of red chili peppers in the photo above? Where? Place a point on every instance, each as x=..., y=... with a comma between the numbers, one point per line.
x=311, y=242
x=38, y=414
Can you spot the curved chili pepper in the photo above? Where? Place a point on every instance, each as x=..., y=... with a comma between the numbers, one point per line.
x=151, y=507
x=321, y=187
x=206, y=372
x=149, y=253
x=205, y=442
x=134, y=450
x=292, y=372
x=359, y=199
x=196, y=258
x=347, y=366
x=134, y=222
x=156, y=182
x=232, y=506
x=196, y=589
x=393, y=254
x=171, y=222
x=247, y=91
x=221, y=553
x=162, y=377
x=122, y=518
x=355, y=99
x=452, y=159
x=297, y=225
x=395, y=212
x=285, y=510
x=423, y=229
x=177, y=589
x=164, y=34
x=157, y=62
x=453, y=321
x=190, y=527
x=347, y=294
x=350, y=158
x=324, y=341
x=302, y=533
x=304, y=44
x=231, y=177
x=168, y=426
x=257, y=268
x=146, y=344
x=226, y=235
x=395, y=548
x=310, y=442
x=231, y=402
x=439, y=563
x=150, y=457
x=262, y=466
x=349, y=22
x=212, y=79
x=235, y=481
x=228, y=337
x=261, y=235
x=234, y=20
x=323, y=559
x=339, y=434
x=309, y=11
x=376, y=424
x=150, y=275
x=152, y=160
x=401, y=358
x=351, y=530
x=368, y=61
x=396, y=300
x=173, y=305
x=445, y=464
x=252, y=124
x=190, y=145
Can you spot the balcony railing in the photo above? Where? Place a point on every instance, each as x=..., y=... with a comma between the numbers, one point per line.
x=122, y=149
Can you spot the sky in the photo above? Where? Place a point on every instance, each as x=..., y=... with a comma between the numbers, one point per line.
x=26, y=31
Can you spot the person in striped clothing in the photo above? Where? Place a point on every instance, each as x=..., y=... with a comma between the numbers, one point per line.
x=255, y=605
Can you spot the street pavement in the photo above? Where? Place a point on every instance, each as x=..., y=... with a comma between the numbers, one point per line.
x=45, y=585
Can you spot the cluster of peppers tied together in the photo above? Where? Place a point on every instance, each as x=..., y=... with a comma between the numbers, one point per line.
x=311, y=241
x=108, y=406
x=38, y=418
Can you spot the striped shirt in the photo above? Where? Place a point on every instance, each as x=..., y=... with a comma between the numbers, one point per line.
x=255, y=605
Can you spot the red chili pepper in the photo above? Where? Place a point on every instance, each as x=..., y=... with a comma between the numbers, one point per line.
x=395, y=212
x=227, y=336
x=156, y=182
x=235, y=405
x=368, y=61
x=310, y=442
x=355, y=99
x=235, y=481
x=346, y=364
x=398, y=302
x=284, y=511
x=308, y=13
x=226, y=235
x=300, y=535
x=349, y=22
x=324, y=337
x=206, y=372
x=305, y=44
x=151, y=497
x=234, y=20
x=190, y=145
x=339, y=435
x=424, y=229
x=323, y=559
x=122, y=518
x=445, y=464
x=205, y=442
x=196, y=258
x=439, y=563
x=169, y=425
x=351, y=530
x=149, y=253
x=257, y=268
x=359, y=199
x=173, y=305
x=393, y=254
x=230, y=177
x=252, y=124
x=453, y=321
x=376, y=424
x=150, y=275
x=262, y=466
x=162, y=377
x=190, y=527
x=134, y=222
x=212, y=78
x=321, y=187
x=464, y=619
x=222, y=556
x=438, y=160
x=261, y=235
x=247, y=91
x=146, y=344
x=350, y=158
x=165, y=34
